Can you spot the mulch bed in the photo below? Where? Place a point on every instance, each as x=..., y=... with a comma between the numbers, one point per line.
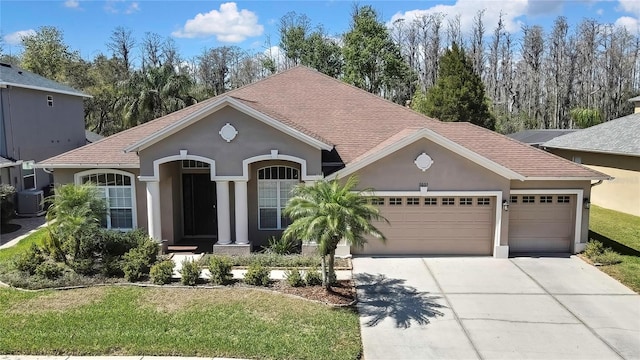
x=342, y=293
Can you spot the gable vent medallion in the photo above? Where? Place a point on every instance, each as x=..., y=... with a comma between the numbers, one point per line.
x=228, y=132
x=423, y=162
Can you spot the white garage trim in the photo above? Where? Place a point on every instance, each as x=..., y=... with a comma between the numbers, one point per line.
x=498, y=251
x=579, y=193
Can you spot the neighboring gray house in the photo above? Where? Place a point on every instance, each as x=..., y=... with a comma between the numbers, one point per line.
x=537, y=137
x=39, y=118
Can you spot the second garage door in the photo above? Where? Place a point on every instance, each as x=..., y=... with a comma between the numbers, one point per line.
x=434, y=226
x=541, y=223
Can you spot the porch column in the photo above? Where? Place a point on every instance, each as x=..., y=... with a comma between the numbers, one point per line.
x=153, y=210
x=224, y=218
x=242, y=213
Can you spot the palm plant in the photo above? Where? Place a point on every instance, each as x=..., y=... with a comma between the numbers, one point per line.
x=76, y=209
x=327, y=212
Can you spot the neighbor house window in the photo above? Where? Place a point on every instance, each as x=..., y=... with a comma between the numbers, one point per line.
x=50, y=100
x=117, y=188
x=274, y=190
x=448, y=201
x=528, y=199
x=484, y=201
x=395, y=201
x=430, y=201
x=564, y=199
x=413, y=201
x=466, y=201
x=28, y=175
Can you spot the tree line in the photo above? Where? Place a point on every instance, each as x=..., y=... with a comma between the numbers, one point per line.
x=561, y=78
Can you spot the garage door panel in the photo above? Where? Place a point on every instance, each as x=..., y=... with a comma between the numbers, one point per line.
x=541, y=226
x=434, y=229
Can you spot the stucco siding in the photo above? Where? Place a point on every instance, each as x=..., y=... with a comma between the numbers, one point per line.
x=254, y=138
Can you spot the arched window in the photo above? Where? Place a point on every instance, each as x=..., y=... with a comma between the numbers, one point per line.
x=274, y=190
x=118, y=189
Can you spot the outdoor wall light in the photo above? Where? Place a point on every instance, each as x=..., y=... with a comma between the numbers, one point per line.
x=505, y=205
x=586, y=203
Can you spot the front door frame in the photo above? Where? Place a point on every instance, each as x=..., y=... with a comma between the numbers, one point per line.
x=182, y=207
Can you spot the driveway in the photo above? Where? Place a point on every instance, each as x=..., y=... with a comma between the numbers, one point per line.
x=485, y=308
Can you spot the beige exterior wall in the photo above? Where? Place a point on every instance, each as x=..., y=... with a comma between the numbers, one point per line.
x=65, y=176
x=254, y=138
x=620, y=194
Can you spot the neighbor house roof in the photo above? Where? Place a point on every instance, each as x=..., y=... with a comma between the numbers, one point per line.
x=8, y=163
x=539, y=136
x=11, y=75
x=618, y=136
x=334, y=113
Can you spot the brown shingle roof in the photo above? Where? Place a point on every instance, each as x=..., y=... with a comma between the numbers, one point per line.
x=352, y=120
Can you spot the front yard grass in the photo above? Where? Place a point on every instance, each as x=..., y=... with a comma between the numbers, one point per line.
x=621, y=232
x=226, y=322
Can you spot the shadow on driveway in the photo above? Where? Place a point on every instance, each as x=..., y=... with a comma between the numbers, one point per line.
x=380, y=297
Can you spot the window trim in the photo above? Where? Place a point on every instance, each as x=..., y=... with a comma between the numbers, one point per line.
x=77, y=177
x=278, y=207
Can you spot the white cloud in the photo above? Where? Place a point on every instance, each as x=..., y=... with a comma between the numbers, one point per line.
x=113, y=7
x=630, y=6
x=467, y=9
x=74, y=4
x=228, y=25
x=600, y=11
x=632, y=24
x=134, y=7
x=15, y=38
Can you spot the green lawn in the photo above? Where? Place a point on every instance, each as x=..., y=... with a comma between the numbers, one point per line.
x=227, y=322
x=622, y=233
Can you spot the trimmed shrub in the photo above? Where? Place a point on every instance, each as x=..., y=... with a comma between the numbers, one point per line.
x=7, y=206
x=313, y=277
x=257, y=275
x=161, y=272
x=220, y=268
x=111, y=266
x=608, y=257
x=282, y=246
x=29, y=260
x=137, y=262
x=190, y=272
x=83, y=266
x=49, y=270
x=294, y=278
x=593, y=249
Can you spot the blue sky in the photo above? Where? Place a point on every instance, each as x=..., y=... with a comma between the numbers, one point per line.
x=195, y=25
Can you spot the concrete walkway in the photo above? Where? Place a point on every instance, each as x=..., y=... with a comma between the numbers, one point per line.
x=485, y=308
x=27, y=226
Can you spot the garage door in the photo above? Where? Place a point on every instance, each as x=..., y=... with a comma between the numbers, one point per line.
x=434, y=226
x=541, y=223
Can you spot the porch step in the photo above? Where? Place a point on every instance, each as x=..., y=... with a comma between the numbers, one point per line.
x=182, y=248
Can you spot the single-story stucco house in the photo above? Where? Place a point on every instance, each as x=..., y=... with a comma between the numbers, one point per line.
x=223, y=169
x=612, y=147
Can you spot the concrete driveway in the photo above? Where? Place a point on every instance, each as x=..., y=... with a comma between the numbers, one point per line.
x=485, y=308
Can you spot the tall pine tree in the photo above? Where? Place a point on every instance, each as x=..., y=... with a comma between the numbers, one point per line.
x=458, y=94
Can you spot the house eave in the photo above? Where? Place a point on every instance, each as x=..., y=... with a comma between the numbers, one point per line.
x=591, y=151
x=86, y=165
x=438, y=139
x=212, y=108
x=82, y=95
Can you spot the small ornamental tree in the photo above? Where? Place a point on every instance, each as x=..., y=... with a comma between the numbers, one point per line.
x=458, y=94
x=329, y=211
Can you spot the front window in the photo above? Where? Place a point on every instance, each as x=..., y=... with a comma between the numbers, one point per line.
x=117, y=190
x=275, y=184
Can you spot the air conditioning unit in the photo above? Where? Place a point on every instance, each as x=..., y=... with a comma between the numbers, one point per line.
x=31, y=202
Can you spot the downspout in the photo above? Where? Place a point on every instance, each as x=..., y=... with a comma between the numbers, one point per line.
x=598, y=183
